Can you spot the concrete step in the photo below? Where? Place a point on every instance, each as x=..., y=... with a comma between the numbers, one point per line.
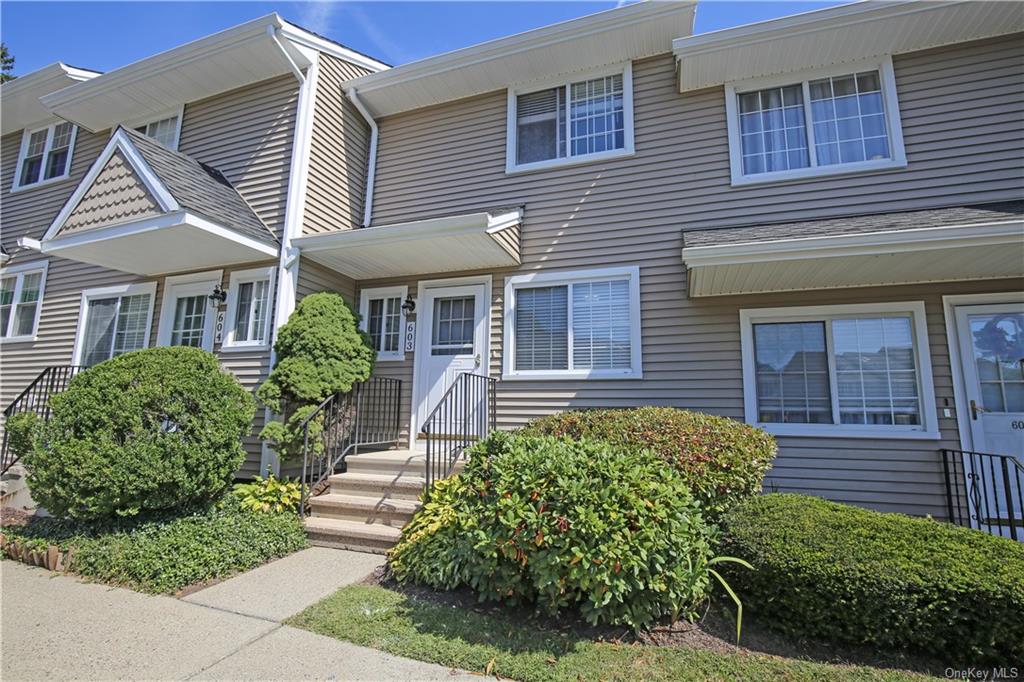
x=385, y=512
x=388, y=461
x=351, y=535
x=401, y=486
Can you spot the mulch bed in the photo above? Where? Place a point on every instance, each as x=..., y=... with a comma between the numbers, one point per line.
x=14, y=517
x=715, y=632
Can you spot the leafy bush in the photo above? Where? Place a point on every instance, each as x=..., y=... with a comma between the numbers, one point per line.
x=722, y=461
x=320, y=351
x=269, y=495
x=563, y=524
x=852, y=575
x=22, y=430
x=155, y=429
x=165, y=553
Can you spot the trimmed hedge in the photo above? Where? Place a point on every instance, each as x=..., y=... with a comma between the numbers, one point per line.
x=846, y=574
x=722, y=460
x=155, y=429
x=563, y=524
x=166, y=553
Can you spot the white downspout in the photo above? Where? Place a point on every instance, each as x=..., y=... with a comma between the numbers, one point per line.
x=371, y=166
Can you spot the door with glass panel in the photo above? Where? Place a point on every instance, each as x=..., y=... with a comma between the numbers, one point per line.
x=191, y=316
x=454, y=325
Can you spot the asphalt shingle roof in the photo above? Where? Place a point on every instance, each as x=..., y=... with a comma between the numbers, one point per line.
x=201, y=189
x=860, y=224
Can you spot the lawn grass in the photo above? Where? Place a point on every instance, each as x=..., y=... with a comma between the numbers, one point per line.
x=488, y=642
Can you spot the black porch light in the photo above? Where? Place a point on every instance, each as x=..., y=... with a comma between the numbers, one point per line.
x=219, y=295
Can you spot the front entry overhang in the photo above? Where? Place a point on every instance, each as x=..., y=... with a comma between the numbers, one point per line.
x=751, y=261
x=459, y=243
x=147, y=210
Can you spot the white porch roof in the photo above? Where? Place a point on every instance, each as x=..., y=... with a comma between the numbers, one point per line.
x=472, y=241
x=902, y=256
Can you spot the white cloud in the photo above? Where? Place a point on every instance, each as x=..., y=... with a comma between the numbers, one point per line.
x=317, y=16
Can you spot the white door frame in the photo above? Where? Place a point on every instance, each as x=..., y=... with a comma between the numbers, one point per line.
x=960, y=400
x=424, y=324
x=200, y=282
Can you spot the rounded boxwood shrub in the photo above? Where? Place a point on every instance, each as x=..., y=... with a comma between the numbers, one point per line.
x=851, y=575
x=154, y=429
x=722, y=460
x=562, y=524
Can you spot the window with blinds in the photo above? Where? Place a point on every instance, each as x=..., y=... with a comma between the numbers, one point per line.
x=584, y=326
x=45, y=154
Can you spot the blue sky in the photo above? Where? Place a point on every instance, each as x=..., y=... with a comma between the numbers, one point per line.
x=106, y=35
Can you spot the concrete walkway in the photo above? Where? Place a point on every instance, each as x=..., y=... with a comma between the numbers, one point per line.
x=57, y=628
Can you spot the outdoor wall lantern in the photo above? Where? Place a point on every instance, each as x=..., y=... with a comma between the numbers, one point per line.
x=219, y=295
x=408, y=305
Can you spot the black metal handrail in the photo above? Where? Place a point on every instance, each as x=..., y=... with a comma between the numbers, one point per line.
x=467, y=413
x=368, y=415
x=36, y=399
x=985, y=491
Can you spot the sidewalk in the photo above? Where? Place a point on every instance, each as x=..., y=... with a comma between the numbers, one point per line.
x=56, y=627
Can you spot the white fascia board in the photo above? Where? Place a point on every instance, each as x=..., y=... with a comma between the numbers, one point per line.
x=894, y=241
x=119, y=141
x=20, y=97
x=421, y=229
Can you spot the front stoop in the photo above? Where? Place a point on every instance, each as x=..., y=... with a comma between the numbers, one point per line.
x=367, y=506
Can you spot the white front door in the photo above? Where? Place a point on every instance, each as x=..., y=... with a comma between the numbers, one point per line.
x=188, y=317
x=992, y=352
x=452, y=341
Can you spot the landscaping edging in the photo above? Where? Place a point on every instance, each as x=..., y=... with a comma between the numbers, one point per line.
x=52, y=558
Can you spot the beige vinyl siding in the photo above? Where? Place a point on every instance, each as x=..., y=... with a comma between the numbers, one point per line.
x=962, y=123
x=247, y=135
x=314, y=278
x=336, y=180
x=117, y=195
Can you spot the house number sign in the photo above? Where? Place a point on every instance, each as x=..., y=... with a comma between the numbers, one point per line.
x=218, y=330
x=410, y=336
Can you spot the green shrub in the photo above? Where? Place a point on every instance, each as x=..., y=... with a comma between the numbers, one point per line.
x=722, y=461
x=165, y=553
x=22, y=430
x=155, y=429
x=320, y=351
x=851, y=575
x=563, y=524
x=269, y=495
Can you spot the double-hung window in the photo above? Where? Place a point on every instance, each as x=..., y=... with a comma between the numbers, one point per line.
x=113, y=321
x=45, y=154
x=383, y=318
x=21, y=296
x=579, y=120
x=165, y=130
x=849, y=370
x=250, y=297
x=581, y=324
x=842, y=120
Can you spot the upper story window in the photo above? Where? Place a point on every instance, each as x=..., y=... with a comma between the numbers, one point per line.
x=580, y=324
x=250, y=296
x=838, y=121
x=574, y=121
x=847, y=370
x=382, y=318
x=45, y=154
x=21, y=296
x=165, y=130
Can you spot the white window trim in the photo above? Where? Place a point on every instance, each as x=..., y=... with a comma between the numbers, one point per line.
x=512, y=284
x=928, y=429
x=236, y=279
x=21, y=271
x=110, y=292
x=626, y=69
x=26, y=134
x=194, y=282
x=890, y=104
x=179, y=112
x=365, y=296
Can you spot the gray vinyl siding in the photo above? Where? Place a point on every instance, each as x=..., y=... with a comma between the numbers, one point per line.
x=246, y=134
x=314, y=278
x=338, y=155
x=962, y=122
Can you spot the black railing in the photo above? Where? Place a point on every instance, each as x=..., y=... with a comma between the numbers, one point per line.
x=467, y=413
x=36, y=399
x=368, y=415
x=985, y=492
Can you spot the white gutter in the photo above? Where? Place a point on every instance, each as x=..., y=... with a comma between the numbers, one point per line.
x=272, y=31
x=371, y=167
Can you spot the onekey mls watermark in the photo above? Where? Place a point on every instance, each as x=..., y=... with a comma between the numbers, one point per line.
x=977, y=673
